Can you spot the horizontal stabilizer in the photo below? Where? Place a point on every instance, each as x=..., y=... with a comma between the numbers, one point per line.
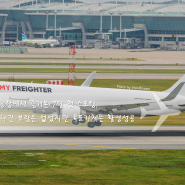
x=89, y=80
x=163, y=118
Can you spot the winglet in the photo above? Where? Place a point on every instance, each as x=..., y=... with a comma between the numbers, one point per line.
x=89, y=80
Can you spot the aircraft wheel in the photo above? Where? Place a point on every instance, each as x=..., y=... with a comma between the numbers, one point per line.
x=91, y=124
x=98, y=123
x=75, y=122
x=83, y=120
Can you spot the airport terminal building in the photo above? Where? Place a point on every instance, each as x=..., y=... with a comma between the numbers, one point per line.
x=157, y=23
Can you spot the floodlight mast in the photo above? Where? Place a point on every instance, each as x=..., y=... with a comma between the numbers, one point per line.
x=178, y=7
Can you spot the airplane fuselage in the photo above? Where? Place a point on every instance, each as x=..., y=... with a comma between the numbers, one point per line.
x=44, y=41
x=29, y=93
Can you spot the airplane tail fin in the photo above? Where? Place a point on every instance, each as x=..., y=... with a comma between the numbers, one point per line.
x=89, y=80
x=177, y=88
x=24, y=36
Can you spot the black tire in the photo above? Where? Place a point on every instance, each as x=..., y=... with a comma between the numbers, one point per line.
x=83, y=120
x=91, y=124
x=98, y=123
x=75, y=122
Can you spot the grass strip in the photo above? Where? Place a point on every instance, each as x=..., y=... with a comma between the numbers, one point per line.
x=92, y=167
x=46, y=58
x=153, y=85
x=108, y=64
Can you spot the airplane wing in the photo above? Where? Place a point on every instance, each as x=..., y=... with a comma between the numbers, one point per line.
x=109, y=106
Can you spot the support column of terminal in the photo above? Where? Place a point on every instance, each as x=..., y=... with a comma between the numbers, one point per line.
x=111, y=22
x=55, y=26
x=47, y=21
x=3, y=29
x=120, y=26
x=101, y=23
x=146, y=36
x=30, y=27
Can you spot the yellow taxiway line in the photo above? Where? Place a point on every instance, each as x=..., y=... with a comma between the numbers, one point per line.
x=102, y=146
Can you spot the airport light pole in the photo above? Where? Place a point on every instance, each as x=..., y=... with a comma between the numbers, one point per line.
x=178, y=7
x=127, y=5
x=49, y=3
x=151, y=6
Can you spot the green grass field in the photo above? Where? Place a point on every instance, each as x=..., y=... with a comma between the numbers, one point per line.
x=93, y=167
x=85, y=70
x=154, y=85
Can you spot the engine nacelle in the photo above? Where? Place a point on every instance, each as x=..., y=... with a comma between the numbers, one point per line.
x=51, y=45
x=42, y=111
x=71, y=112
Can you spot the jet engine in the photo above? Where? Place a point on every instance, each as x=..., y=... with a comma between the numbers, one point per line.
x=42, y=111
x=70, y=112
x=51, y=45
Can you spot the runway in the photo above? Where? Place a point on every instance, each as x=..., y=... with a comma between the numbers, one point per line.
x=95, y=66
x=82, y=137
x=97, y=76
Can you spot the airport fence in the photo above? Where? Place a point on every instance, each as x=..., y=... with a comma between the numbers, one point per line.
x=13, y=50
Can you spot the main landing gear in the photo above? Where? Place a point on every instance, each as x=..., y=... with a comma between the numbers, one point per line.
x=93, y=124
x=76, y=122
x=89, y=124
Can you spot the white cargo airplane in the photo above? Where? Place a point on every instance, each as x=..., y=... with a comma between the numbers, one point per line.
x=107, y=100
x=41, y=42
